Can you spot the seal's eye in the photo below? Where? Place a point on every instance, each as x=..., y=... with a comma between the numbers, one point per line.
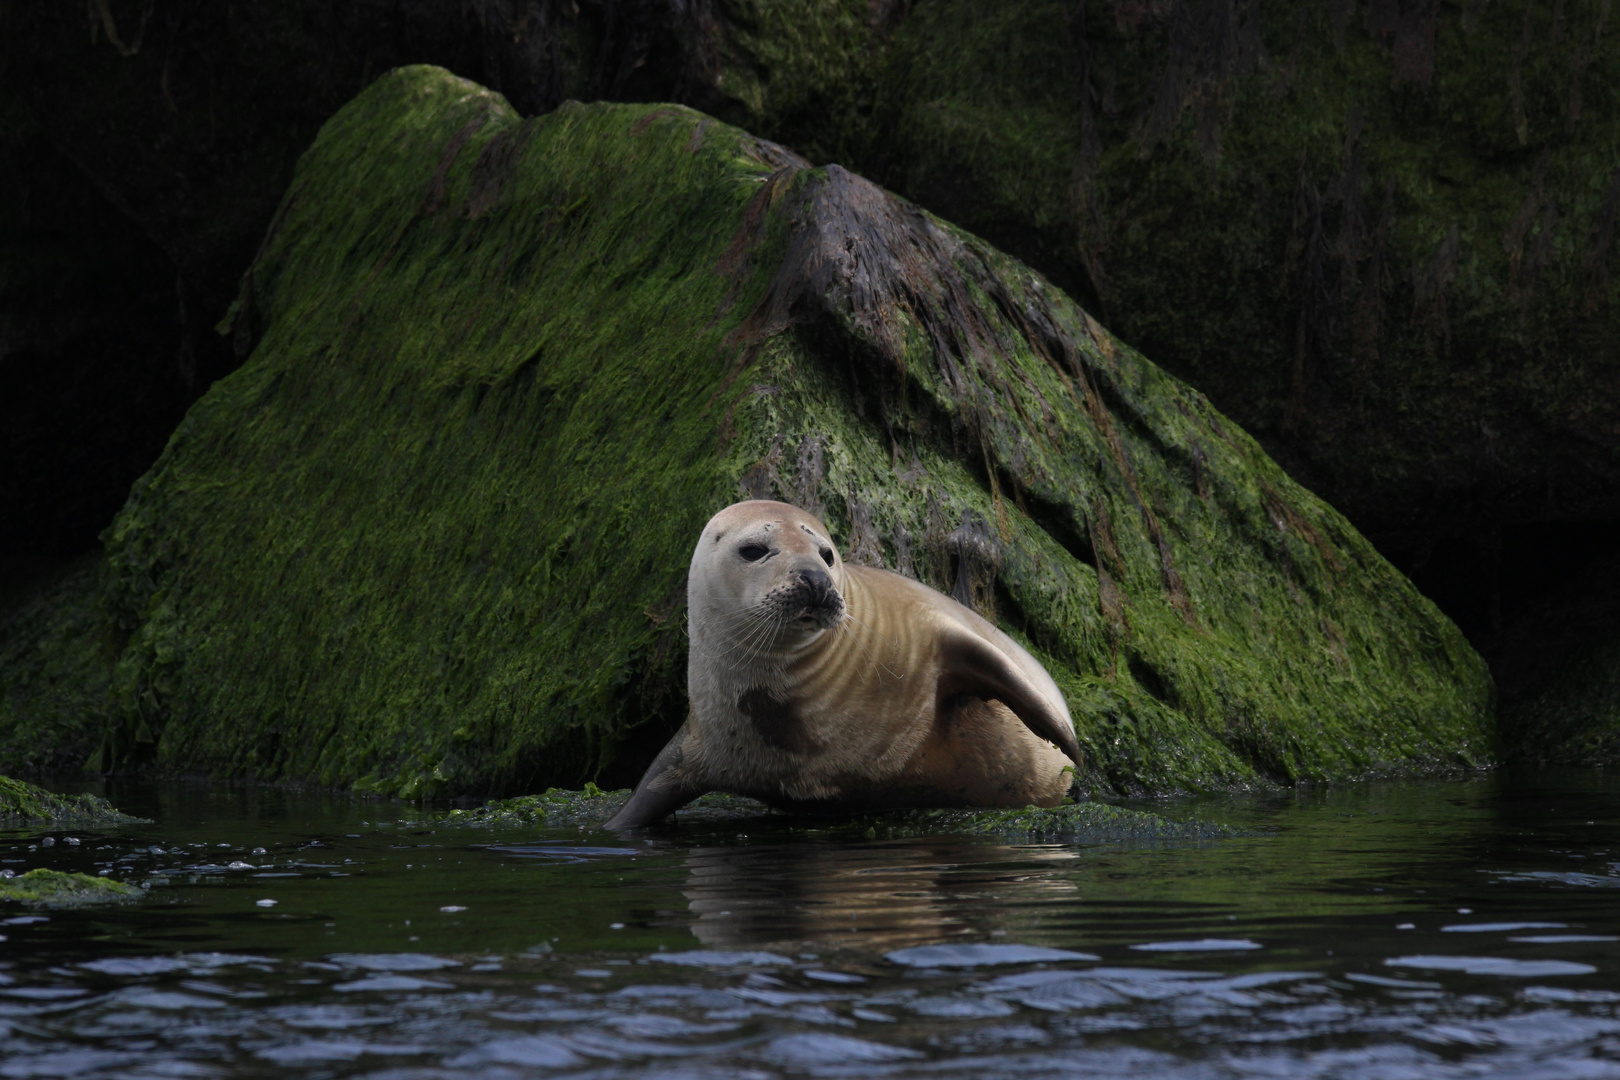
x=826, y=556
x=753, y=552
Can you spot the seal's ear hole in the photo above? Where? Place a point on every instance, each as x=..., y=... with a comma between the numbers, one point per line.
x=827, y=556
x=753, y=552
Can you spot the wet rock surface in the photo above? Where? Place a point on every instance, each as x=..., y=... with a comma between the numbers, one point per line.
x=1084, y=823
x=1380, y=239
x=53, y=889
x=23, y=804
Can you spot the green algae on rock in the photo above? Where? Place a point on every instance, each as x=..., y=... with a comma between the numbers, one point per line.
x=1078, y=823
x=55, y=889
x=432, y=537
x=1074, y=823
x=23, y=805
x=1379, y=237
x=591, y=806
x=554, y=806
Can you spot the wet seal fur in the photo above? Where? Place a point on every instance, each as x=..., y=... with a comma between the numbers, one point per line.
x=820, y=687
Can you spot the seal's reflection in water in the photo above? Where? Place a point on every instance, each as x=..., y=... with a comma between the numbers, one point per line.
x=874, y=896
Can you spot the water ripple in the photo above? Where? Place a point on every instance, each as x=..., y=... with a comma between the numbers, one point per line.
x=1322, y=955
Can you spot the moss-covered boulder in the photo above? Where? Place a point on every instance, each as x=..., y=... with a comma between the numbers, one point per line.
x=130, y=203
x=1380, y=236
x=23, y=805
x=55, y=889
x=433, y=535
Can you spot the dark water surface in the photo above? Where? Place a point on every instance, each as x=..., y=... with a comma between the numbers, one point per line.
x=1425, y=929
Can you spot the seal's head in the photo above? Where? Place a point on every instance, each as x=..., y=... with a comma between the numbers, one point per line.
x=765, y=572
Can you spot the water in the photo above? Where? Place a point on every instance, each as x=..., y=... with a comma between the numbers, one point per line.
x=1439, y=929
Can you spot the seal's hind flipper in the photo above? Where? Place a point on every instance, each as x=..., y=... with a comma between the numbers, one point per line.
x=665, y=788
x=978, y=668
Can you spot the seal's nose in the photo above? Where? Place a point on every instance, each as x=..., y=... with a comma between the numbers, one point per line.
x=818, y=586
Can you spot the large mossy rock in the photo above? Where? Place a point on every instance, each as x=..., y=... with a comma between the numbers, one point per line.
x=433, y=535
x=1381, y=236
x=146, y=147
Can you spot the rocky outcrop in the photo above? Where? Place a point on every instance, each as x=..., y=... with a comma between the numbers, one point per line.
x=1377, y=235
x=432, y=536
x=56, y=890
x=146, y=148
x=1380, y=236
x=24, y=805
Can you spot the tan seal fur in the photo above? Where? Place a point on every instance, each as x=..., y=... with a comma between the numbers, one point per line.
x=820, y=686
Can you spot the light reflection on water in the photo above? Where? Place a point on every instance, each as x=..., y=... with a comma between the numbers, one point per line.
x=1438, y=929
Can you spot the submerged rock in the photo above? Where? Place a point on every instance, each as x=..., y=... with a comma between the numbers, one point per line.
x=23, y=805
x=55, y=889
x=433, y=535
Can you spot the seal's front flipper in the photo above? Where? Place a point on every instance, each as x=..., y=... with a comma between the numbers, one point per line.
x=665, y=788
x=977, y=667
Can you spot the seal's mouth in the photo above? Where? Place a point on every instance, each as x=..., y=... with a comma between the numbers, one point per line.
x=823, y=613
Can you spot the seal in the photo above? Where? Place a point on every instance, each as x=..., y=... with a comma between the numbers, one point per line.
x=817, y=686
